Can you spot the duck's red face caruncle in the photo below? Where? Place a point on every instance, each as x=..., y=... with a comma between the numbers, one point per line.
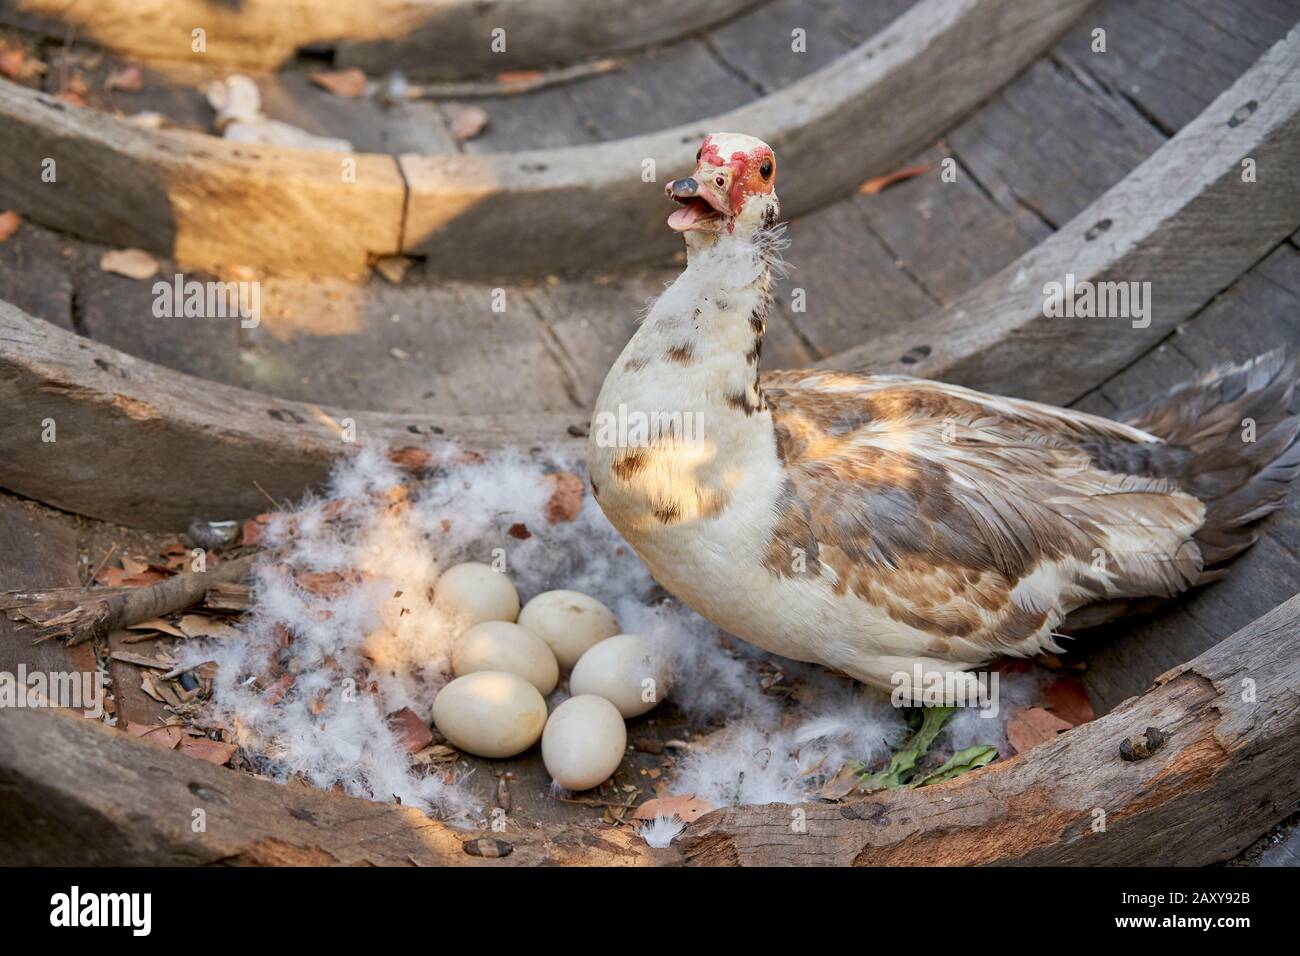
x=731, y=189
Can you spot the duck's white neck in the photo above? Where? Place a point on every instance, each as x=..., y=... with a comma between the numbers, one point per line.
x=702, y=339
x=689, y=373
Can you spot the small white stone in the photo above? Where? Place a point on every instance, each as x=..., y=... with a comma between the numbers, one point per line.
x=583, y=742
x=502, y=646
x=490, y=713
x=569, y=622
x=476, y=593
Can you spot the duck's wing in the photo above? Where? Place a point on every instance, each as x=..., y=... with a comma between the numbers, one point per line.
x=978, y=520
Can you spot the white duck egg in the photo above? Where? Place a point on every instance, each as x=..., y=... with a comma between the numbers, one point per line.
x=569, y=622
x=490, y=713
x=584, y=742
x=502, y=646
x=627, y=670
x=476, y=593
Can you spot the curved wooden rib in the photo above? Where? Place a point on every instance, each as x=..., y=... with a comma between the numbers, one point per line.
x=139, y=444
x=201, y=200
x=443, y=38
x=1040, y=808
x=1188, y=221
x=866, y=113
x=209, y=203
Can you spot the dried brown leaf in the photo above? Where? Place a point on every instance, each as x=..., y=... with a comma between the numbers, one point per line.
x=1067, y=698
x=567, y=490
x=129, y=79
x=1032, y=726
x=467, y=121
x=157, y=624
x=412, y=732
x=212, y=751
x=411, y=458
x=132, y=263
x=688, y=808
x=350, y=82
x=168, y=735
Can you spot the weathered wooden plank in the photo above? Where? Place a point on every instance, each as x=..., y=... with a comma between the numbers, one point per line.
x=200, y=200
x=764, y=48
x=848, y=283
x=143, y=445
x=1185, y=221
x=1039, y=808
x=140, y=810
x=1203, y=46
x=590, y=203
x=950, y=235
x=119, y=312
x=450, y=38
x=406, y=349
x=370, y=126
x=663, y=88
x=36, y=552
x=1056, y=142
x=35, y=274
x=543, y=119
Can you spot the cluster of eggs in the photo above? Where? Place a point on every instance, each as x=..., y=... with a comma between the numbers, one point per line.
x=507, y=660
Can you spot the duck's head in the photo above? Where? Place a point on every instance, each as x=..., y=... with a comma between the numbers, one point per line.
x=731, y=191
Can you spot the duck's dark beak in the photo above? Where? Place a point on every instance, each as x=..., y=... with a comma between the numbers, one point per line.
x=703, y=207
x=683, y=188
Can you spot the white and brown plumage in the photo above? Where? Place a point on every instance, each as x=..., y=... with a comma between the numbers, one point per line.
x=875, y=524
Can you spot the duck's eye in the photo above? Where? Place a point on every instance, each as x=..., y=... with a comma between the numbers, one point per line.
x=766, y=169
x=698, y=153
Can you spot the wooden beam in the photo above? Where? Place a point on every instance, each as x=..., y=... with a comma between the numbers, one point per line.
x=75, y=792
x=589, y=204
x=203, y=201
x=1186, y=221
x=449, y=38
x=1229, y=771
x=140, y=444
x=208, y=203
x=78, y=792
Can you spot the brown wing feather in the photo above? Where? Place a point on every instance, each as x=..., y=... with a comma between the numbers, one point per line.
x=979, y=520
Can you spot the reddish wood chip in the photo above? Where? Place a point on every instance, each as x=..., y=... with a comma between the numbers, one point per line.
x=877, y=184
x=519, y=77
x=1031, y=727
x=9, y=223
x=12, y=63
x=254, y=529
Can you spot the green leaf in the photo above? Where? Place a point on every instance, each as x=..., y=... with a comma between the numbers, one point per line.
x=972, y=758
x=903, y=763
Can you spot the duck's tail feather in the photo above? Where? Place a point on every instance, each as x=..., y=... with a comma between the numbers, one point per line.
x=1237, y=424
